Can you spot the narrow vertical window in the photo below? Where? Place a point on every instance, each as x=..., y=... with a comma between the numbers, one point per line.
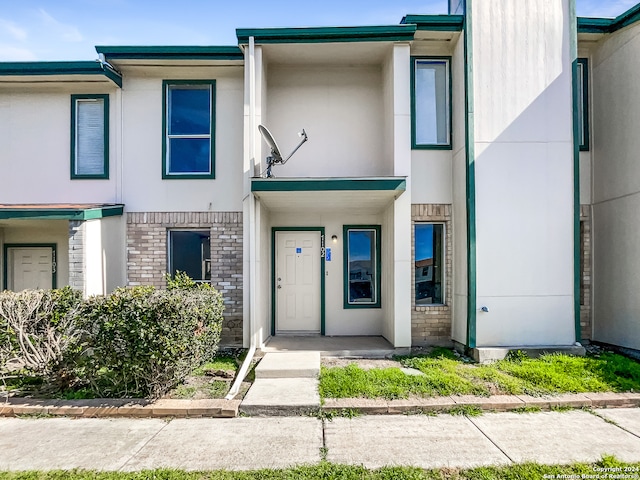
x=89, y=136
x=428, y=263
x=582, y=85
x=190, y=252
x=189, y=117
x=431, y=103
x=362, y=266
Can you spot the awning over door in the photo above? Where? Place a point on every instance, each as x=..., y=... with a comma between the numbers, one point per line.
x=366, y=194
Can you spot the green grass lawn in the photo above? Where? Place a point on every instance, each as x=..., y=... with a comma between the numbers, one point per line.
x=326, y=470
x=446, y=374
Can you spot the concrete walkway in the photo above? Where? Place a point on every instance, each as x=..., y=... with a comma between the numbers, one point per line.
x=285, y=384
x=130, y=444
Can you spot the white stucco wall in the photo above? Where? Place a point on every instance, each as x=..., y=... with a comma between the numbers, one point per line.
x=143, y=186
x=524, y=172
x=616, y=189
x=459, y=196
x=341, y=109
x=105, y=255
x=35, y=134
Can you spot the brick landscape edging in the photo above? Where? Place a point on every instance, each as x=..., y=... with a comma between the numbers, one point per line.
x=219, y=408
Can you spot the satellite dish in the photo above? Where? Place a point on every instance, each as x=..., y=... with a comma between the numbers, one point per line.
x=276, y=157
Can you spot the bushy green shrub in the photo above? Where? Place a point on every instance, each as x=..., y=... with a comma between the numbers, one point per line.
x=38, y=330
x=142, y=342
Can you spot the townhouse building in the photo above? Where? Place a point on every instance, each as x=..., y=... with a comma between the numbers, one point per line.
x=468, y=179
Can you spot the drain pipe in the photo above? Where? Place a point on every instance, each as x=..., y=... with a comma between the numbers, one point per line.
x=244, y=368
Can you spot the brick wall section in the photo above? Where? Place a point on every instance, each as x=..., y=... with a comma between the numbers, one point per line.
x=585, y=271
x=147, y=256
x=431, y=325
x=76, y=254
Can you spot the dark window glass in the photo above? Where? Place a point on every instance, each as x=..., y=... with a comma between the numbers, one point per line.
x=362, y=268
x=190, y=252
x=428, y=263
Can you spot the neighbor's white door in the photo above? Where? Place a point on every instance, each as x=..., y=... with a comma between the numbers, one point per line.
x=297, y=282
x=29, y=267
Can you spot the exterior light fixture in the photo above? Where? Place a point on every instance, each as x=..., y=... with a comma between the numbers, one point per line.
x=334, y=238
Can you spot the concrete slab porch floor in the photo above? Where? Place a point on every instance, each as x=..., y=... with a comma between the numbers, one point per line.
x=365, y=347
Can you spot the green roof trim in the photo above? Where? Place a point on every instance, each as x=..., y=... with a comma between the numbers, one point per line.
x=176, y=52
x=609, y=25
x=386, y=33
x=438, y=23
x=42, y=212
x=326, y=184
x=89, y=67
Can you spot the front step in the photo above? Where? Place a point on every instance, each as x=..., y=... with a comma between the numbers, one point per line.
x=289, y=365
x=285, y=384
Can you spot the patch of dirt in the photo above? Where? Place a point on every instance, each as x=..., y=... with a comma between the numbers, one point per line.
x=364, y=363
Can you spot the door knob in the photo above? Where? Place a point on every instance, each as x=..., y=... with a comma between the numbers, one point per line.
x=279, y=286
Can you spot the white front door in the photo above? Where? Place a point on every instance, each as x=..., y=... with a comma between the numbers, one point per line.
x=29, y=267
x=297, y=282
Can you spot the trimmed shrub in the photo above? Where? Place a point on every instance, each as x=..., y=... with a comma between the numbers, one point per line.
x=38, y=330
x=142, y=342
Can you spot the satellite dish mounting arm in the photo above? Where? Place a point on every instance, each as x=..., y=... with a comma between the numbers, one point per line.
x=303, y=134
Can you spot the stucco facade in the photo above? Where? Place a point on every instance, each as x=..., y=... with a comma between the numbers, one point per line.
x=466, y=179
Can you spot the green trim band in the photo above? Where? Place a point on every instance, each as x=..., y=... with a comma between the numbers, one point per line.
x=88, y=213
x=326, y=184
x=470, y=178
x=345, y=267
x=60, y=68
x=104, y=175
x=5, y=268
x=386, y=33
x=273, y=274
x=171, y=52
x=435, y=23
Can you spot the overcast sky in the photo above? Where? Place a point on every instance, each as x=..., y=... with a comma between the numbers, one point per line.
x=69, y=29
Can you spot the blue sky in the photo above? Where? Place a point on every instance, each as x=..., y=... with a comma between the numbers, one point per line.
x=69, y=29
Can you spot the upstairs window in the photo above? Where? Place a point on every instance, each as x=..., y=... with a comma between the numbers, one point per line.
x=362, y=266
x=582, y=85
x=189, y=129
x=89, y=136
x=431, y=103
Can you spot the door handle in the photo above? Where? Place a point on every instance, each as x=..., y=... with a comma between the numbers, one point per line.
x=279, y=286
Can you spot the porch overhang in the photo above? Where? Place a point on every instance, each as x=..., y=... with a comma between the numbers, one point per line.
x=60, y=211
x=370, y=194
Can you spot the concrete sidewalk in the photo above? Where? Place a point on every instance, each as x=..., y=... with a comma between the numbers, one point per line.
x=130, y=444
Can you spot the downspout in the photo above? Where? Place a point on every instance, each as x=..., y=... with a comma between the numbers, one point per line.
x=244, y=368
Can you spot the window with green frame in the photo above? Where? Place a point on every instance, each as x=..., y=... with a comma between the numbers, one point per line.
x=361, y=266
x=188, y=128
x=431, y=102
x=582, y=84
x=90, y=136
x=428, y=263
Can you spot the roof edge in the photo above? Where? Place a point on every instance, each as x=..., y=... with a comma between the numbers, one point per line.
x=441, y=23
x=327, y=34
x=170, y=52
x=609, y=25
x=85, y=67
